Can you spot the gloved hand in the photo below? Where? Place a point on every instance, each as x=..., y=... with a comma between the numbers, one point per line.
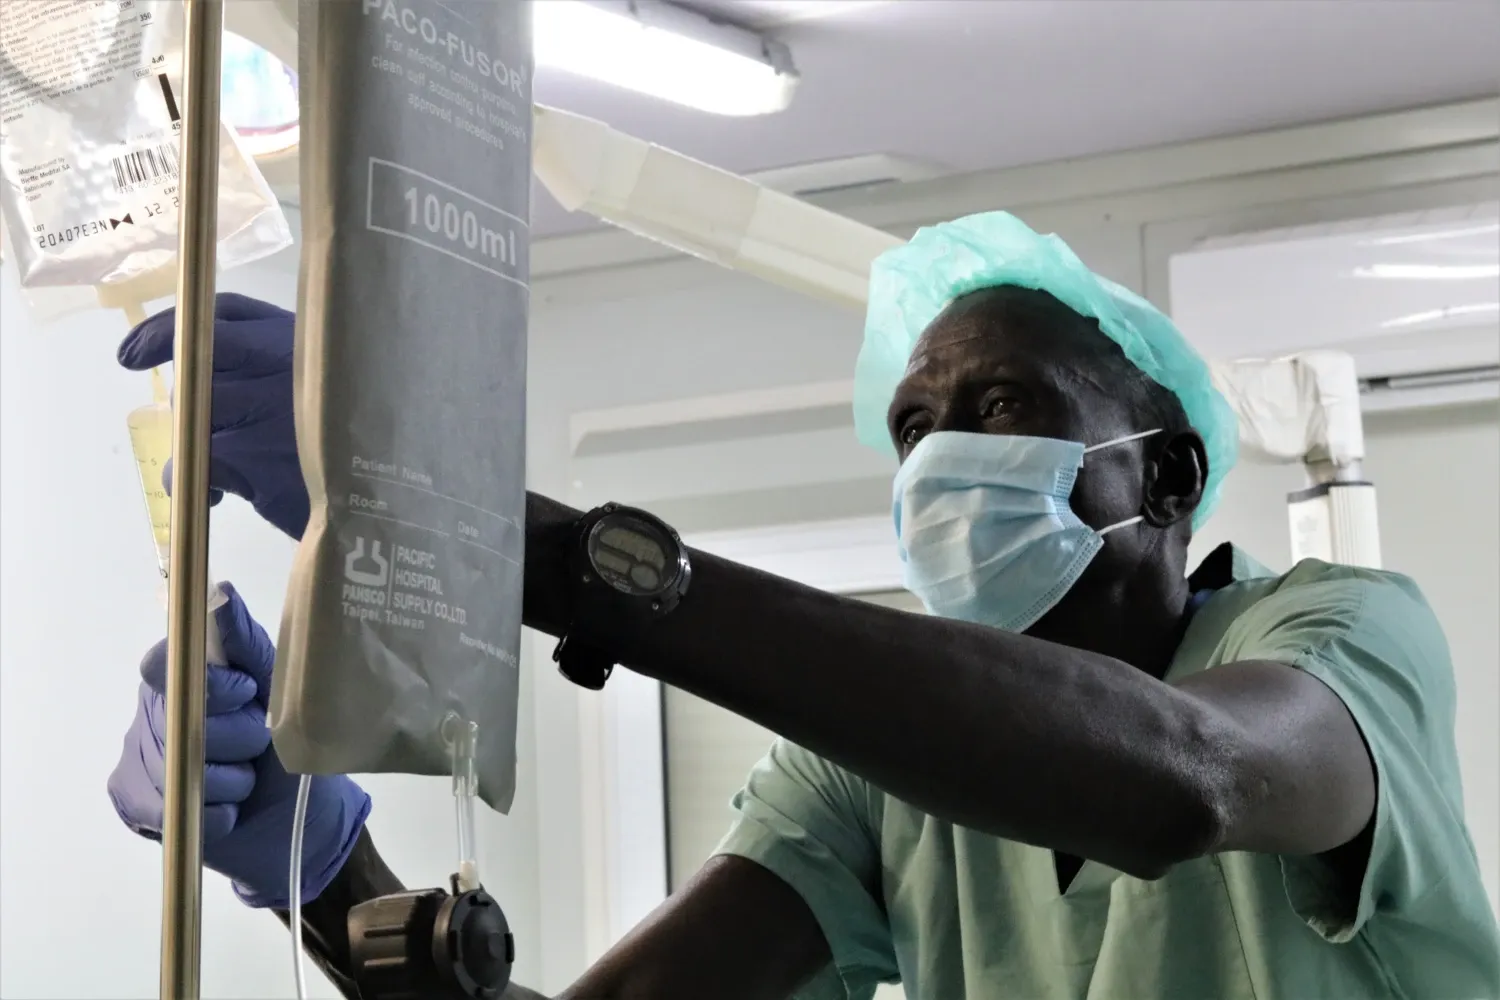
x=253, y=451
x=248, y=796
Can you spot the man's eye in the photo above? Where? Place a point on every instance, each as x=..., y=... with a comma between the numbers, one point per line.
x=912, y=431
x=995, y=405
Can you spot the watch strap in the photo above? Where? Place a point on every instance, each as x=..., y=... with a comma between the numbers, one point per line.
x=601, y=634
x=582, y=662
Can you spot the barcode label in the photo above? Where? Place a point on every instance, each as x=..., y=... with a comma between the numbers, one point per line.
x=151, y=164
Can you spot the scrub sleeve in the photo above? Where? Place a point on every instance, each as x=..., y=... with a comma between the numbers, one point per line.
x=1372, y=639
x=816, y=827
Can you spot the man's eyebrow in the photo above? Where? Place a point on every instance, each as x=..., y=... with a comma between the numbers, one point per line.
x=908, y=395
x=1078, y=373
x=916, y=364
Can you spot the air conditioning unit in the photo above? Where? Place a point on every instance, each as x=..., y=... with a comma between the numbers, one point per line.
x=1414, y=298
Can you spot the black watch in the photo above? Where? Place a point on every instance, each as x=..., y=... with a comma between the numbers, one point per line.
x=627, y=569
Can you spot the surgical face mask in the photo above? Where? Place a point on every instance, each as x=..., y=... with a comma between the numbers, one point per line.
x=984, y=527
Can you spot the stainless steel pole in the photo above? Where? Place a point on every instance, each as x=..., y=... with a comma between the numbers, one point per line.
x=187, y=600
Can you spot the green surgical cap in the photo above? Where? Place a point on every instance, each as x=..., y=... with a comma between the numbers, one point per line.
x=912, y=283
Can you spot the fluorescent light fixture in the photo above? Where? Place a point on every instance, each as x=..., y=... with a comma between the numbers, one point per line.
x=667, y=52
x=1429, y=272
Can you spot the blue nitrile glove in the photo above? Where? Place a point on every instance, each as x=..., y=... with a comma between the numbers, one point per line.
x=253, y=453
x=248, y=796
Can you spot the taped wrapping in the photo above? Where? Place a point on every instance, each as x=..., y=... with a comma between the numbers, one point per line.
x=1299, y=408
x=701, y=210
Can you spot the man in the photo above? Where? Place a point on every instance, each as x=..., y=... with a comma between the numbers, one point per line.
x=1087, y=775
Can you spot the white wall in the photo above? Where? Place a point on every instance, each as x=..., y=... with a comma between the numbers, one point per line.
x=80, y=907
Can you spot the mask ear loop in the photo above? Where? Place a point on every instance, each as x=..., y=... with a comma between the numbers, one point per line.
x=1110, y=444
x=1121, y=440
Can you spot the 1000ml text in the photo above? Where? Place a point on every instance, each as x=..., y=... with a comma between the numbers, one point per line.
x=443, y=218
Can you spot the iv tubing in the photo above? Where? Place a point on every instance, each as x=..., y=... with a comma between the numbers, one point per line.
x=463, y=738
x=187, y=614
x=468, y=864
x=294, y=883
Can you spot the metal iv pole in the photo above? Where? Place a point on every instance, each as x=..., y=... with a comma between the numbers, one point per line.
x=187, y=575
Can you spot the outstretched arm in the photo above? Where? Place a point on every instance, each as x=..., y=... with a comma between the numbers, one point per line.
x=1255, y=756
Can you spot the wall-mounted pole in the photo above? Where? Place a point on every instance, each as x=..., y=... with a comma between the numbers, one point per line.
x=187, y=611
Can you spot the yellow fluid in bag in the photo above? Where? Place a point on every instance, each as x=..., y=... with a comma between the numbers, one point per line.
x=151, y=443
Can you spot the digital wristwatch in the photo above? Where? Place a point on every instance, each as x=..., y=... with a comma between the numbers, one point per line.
x=628, y=568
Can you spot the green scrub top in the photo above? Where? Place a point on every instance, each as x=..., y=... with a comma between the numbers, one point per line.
x=958, y=915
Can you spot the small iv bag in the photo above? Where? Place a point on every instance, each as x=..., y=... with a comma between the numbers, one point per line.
x=90, y=167
x=150, y=429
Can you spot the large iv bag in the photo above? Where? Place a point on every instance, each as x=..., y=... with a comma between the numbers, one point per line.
x=404, y=608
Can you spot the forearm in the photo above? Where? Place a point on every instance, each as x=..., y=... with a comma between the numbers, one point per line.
x=997, y=732
x=325, y=929
x=1024, y=739
x=514, y=992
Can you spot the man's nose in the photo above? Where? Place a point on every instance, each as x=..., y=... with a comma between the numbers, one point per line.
x=958, y=418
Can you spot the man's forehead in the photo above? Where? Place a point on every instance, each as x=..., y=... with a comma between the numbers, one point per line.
x=942, y=345
x=964, y=338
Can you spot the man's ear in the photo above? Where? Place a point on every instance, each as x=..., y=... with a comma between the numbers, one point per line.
x=1174, y=480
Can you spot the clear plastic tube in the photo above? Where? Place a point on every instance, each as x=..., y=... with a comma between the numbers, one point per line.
x=462, y=738
x=294, y=885
x=468, y=863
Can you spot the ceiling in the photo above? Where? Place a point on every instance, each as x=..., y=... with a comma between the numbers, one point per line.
x=977, y=84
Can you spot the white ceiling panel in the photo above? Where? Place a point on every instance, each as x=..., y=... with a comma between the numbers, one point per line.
x=980, y=84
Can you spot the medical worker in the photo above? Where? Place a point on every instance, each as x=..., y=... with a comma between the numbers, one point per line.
x=1092, y=772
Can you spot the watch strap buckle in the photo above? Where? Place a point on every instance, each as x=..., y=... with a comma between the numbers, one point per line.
x=584, y=664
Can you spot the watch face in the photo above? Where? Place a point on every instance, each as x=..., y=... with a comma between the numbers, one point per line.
x=633, y=556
